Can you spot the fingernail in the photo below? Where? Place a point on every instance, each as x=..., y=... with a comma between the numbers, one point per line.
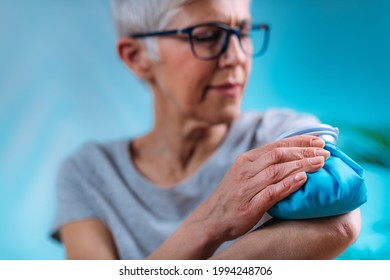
x=316, y=160
x=323, y=153
x=318, y=143
x=300, y=176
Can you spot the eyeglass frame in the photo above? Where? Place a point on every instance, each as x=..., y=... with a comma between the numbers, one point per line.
x=230, y=31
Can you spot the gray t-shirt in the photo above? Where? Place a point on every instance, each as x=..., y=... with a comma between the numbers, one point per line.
x=100, y=181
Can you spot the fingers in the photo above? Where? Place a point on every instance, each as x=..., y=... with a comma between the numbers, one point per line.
x=280, y=155
x=301, y=141
x=274, y=171
x=278, y=191
x=277, y=172
x=296, y=141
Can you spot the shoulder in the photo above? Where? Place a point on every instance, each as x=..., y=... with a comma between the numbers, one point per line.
x=274, y=121
x=283, y=119
x=90, y=157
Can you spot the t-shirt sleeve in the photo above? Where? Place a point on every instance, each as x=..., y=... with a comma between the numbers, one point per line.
x=72, y=197
x=277, y=121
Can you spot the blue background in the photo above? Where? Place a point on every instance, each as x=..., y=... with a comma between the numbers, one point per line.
x=61, y=84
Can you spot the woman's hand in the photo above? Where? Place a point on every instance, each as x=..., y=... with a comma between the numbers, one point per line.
x=257, y=180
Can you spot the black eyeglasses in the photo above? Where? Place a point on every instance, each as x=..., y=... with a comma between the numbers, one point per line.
x=210, y=40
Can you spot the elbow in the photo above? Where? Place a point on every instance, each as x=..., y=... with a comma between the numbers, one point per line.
x=347, y=227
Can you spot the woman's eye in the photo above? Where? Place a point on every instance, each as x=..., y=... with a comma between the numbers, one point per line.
x=207, y=36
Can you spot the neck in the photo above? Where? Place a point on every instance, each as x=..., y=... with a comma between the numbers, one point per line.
x=183, y=143
x=176, y=149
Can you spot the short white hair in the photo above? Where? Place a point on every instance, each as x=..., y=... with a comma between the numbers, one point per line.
x=137, y=16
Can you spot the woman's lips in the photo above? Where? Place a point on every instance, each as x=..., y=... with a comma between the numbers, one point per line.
x=226, y=89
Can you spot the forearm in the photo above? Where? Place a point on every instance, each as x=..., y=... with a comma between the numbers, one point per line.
x=196, y=238
x=324, y=238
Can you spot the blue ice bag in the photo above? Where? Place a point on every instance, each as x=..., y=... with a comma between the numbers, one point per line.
x=337, y=188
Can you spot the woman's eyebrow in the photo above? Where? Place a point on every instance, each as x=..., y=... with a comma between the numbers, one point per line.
x=225, y=19
x=238, y=23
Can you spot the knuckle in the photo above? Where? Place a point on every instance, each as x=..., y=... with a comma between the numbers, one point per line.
x=242, y=174
x=277, y=154
x=305, y=141
x=281, y=144
x=272, y=172
x=240, y=168
x=286, y=185
x=308, y=152
x=244, y=207
x=242, y=159
x=269, y=195
x=300, y=163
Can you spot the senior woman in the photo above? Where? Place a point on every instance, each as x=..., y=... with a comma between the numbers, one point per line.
x=198, y=185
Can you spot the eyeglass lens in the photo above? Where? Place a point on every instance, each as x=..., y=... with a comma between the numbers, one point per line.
x=208, y=40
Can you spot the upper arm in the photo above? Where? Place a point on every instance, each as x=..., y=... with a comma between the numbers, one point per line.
x=278, y=121
x=82, y=233
x=88, y=240
x=323, y=238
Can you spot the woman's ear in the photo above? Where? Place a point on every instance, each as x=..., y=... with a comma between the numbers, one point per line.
x=134, y=55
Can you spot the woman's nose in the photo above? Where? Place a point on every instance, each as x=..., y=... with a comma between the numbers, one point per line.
x=234, y=53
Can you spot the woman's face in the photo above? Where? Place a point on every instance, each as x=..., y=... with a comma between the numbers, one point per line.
x=188, y=88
